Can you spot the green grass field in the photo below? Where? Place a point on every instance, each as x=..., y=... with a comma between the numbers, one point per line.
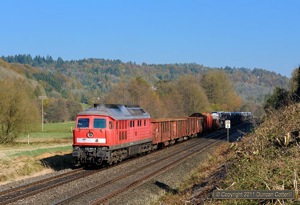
x=62, y=127
x=55, y=137
x=51, y=131
x=25, y=156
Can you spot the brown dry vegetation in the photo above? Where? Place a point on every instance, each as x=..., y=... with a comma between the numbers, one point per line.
x=14, y=167
x=267, y=159
x=22, y=167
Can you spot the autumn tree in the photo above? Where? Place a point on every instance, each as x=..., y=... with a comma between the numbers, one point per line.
x=154, y=105
x=170, y=99
x=73, y=108
x=192, y=95
x=118, y=95
x=56, y=111
x=18, y=111
x=143, y=94
x=183, y=96
x=220, y=91
x=138, y=92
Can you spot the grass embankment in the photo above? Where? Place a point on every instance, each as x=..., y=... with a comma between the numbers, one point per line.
x=37, y=152
x=267, y=159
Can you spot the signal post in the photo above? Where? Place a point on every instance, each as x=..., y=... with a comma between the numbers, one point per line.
x=227, y=126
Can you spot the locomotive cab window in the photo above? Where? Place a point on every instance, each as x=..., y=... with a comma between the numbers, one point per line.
x=99, y=123
x=83, y=122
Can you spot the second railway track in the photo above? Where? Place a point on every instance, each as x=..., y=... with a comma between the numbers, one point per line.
x=110, y=188
x=101, y=188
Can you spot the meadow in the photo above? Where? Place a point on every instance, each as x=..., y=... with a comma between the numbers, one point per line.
x=27, y=156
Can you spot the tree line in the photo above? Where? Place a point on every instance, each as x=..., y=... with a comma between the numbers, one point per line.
x=181, y=97
x=34, y=61
x=98, y=76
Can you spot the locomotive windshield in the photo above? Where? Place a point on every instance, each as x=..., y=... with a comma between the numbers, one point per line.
x=83, y=122
x=99, y=123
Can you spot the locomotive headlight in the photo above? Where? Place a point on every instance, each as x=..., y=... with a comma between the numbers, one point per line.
x=90, y=134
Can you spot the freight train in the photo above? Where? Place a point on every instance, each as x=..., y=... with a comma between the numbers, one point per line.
x=110, y=133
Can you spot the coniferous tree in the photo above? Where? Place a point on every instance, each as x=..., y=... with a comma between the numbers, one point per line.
x=277, y=100
x=297, y=91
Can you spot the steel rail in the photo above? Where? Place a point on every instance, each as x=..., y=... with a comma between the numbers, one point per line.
x=185, y=157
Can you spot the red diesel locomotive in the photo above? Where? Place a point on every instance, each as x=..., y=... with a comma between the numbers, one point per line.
x=111, y=133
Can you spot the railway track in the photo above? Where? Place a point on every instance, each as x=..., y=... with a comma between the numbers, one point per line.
x=113, y=187
x=123, y=182
x=27, y=190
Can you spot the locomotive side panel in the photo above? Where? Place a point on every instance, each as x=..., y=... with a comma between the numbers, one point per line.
x=111, y=133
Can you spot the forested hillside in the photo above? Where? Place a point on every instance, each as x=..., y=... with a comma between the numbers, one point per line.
x=91, y=80
x=99, y=75
x=18, y=79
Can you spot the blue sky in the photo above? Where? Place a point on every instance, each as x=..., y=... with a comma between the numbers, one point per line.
x=216, y=33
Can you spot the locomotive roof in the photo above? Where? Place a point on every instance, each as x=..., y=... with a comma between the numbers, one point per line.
x=118, y=112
